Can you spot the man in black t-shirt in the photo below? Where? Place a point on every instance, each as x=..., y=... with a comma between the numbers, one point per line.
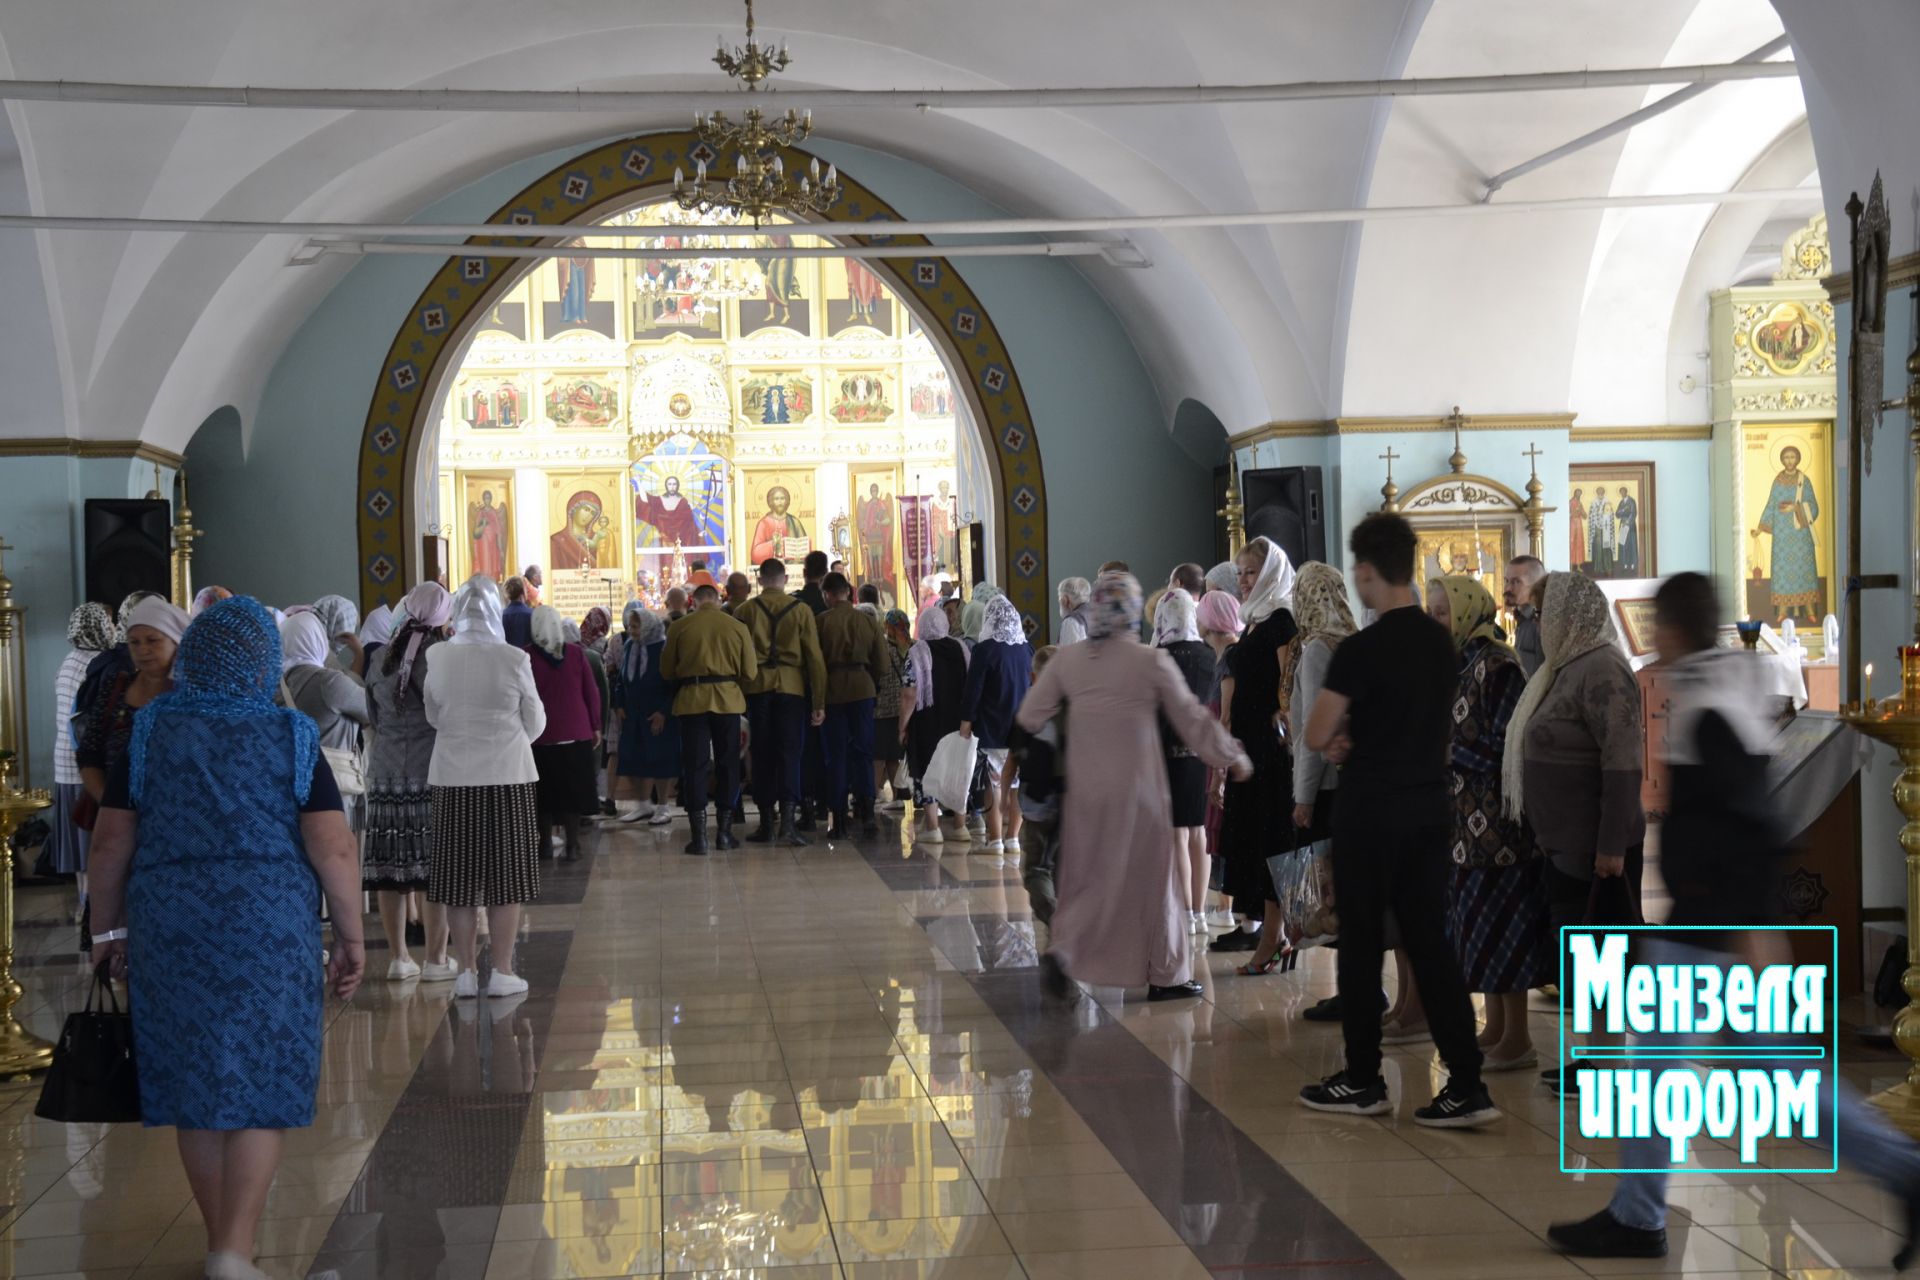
x=1384, y=715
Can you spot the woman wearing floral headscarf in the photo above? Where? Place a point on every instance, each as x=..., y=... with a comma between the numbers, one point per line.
x=998, y=676
x=1121, y=919
x=336, y=700
x=1257, y=813
x=649, y=736
x=224, y=967
x=1497, y=904
x=1572, y=763
x=341, y=619
x=399, y=823
x=937, y=672
x=90, y=632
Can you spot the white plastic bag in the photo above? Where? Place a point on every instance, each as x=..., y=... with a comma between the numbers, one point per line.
x=950, y=772
x=902, y=780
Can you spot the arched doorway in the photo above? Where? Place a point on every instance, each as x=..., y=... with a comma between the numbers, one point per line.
x=428, y=348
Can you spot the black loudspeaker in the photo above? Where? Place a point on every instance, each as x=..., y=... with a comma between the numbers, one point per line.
x=129, y=541
x=1287, y=505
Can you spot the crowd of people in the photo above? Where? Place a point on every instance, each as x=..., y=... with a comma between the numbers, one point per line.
x=1233, y=765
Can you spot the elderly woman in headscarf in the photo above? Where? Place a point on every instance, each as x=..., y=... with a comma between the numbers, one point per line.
x=341, y=619
x=998, y=676
x=602, y=754
x=226, y=809
x=1218, y=618
x=112, y=662
x=937, y=672
x=374, y=634
x=90, y=634
x=336, y=701
x=399, y=822
x=649, y=735
x=886, y=702
x=1497, y=903
x=205, y=598
x=1176, y=632
x=1073, y=593
x=152, y=630
x=1572, y=761
x=563, y=752
x=485, y=843
x=1257, y=816
x=1121, y=919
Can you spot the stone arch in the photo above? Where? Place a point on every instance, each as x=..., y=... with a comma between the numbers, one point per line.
x=427, y=347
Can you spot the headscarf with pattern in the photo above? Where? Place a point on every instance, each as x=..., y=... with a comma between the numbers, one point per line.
x=1114, y=608
x=1224, y=577
x=1272, y=588
x=973, y=620
x=475, y=611
x=899, y=627
x=428, y=608
x=1003, y=623
x=90, y=628
x=1176, y=618
x=933, y=626
x=227, y=669
x=125, y=612
x=339, y=615
x=645, y=628
x=1321, y=611
x=1471, y=611
x=595, y=625
x=207, y=597
x=1574, y=620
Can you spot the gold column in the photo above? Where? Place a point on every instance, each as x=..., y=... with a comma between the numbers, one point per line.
x=21, y=1051
x=183, y=535
x=1535, y=509
x=1235, y=511
x=13, y=673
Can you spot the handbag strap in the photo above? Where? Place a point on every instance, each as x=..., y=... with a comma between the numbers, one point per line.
x=101, y=982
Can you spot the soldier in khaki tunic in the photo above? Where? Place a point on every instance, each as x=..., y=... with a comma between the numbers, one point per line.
x=855, y=649
x=789, y=694
x=709, y=658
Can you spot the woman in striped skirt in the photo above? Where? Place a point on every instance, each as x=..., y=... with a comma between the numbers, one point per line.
x=90, y=632
x=1497, y=906
x=484, y=851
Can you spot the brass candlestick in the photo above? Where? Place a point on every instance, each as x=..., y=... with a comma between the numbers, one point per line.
x=21, y=1052
x=1235, y=511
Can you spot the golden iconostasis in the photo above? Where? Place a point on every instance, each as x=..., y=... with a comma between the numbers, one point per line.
x=621, y=422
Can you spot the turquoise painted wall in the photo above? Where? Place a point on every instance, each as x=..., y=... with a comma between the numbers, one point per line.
x=1118, y=486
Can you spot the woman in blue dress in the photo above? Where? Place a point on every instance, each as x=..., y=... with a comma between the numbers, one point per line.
x=219, y=831
x=649, y=737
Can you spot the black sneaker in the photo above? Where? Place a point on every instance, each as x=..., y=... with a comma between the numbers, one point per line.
x=1328, y=1010
x=1238, y=940
x=1565, y=1081
x=1178, y=991
x=1604, y=1236
x=1458, y=1107
x=1340, y=1094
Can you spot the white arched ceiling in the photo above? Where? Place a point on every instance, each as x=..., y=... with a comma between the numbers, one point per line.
x=153, y=332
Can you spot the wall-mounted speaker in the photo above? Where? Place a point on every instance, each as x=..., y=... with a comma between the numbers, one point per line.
x=129, y=542
x=1288, y=505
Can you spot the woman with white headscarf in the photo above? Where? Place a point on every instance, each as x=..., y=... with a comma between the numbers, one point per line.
x=485, y=846
x=395, y=860
x=90, y=633
x=374, y=634
x=998, y=676
x=563, y=752
x=1176, y=632
x=649, y=735
x=336, y=701
x=1121, y=919
x=937, y=674
x=1257, y=816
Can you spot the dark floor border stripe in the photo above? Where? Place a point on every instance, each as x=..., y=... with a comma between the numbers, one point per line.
x=1230, y=1201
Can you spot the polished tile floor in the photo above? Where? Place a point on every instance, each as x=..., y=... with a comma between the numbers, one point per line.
x=835, y=1062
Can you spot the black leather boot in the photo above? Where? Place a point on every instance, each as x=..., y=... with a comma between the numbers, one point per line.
x=723, y=830
x=790, y=828
x=697, y=824
x=806, y=819
x=763, y=834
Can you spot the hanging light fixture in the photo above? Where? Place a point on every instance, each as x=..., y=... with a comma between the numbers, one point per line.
x=759, y=186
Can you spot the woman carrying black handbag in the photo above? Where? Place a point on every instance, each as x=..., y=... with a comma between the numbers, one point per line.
x=93, y=1079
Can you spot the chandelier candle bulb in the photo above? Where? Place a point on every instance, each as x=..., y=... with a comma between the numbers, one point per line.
x=1866, y=686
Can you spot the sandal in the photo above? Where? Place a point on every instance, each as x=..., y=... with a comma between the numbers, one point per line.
x=1284, y=961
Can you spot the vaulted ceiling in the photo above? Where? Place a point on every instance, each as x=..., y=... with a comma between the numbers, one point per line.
x=145, y=334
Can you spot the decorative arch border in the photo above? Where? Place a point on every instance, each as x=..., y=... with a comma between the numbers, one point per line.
x=616, y=176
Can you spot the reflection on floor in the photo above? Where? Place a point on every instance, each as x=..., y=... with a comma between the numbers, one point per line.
x=836, y=1062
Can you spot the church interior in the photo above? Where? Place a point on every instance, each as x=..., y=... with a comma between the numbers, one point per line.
x=551, y=299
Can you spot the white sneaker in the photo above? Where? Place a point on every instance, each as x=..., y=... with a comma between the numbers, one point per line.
x=431, y=972
x=1221, y=918
x=641, y=814
x=891, y=806
x=960, y=835
x=1012, y=846
x=1197, y=921
x=505, y=984
x=992, y=850
x=402, y=970
x=661, y=816
x=929, y=836
x=557, y=841
x=466, y=986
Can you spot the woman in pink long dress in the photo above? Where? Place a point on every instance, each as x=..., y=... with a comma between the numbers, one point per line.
x=1122, y=915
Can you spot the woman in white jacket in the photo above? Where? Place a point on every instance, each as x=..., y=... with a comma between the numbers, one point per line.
x=485, y=850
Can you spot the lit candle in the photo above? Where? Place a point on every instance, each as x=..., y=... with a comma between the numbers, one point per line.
x=1868, y=683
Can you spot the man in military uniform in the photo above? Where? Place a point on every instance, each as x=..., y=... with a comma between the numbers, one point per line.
x=709, y=658
x=855, y=649
x=789, y=694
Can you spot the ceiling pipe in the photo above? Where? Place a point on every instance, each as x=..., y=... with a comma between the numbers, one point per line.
x=638, y=101
x=1623, y=124
x=1056, y=249
x=950, y=227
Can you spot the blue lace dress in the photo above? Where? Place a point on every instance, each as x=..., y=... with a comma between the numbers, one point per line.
x=223, y=915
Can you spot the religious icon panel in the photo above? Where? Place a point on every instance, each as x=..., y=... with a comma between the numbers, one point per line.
x=586, y=540
x=1465, y=549
x=776, y=398
x=679, y=505
x=781, y=512
x=581, y=292
x=876, y=528
x=486, y=534
x=491, y=402
x=583, y=400
x=1786, y=504
x=857, y=300
x=786, y=290
x=1610, y=520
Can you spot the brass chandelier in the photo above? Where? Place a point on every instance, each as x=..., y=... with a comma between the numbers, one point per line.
x=759, y=186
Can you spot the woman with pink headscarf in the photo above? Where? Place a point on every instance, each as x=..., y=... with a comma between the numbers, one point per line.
x=399, y=806
x=1218, y=618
